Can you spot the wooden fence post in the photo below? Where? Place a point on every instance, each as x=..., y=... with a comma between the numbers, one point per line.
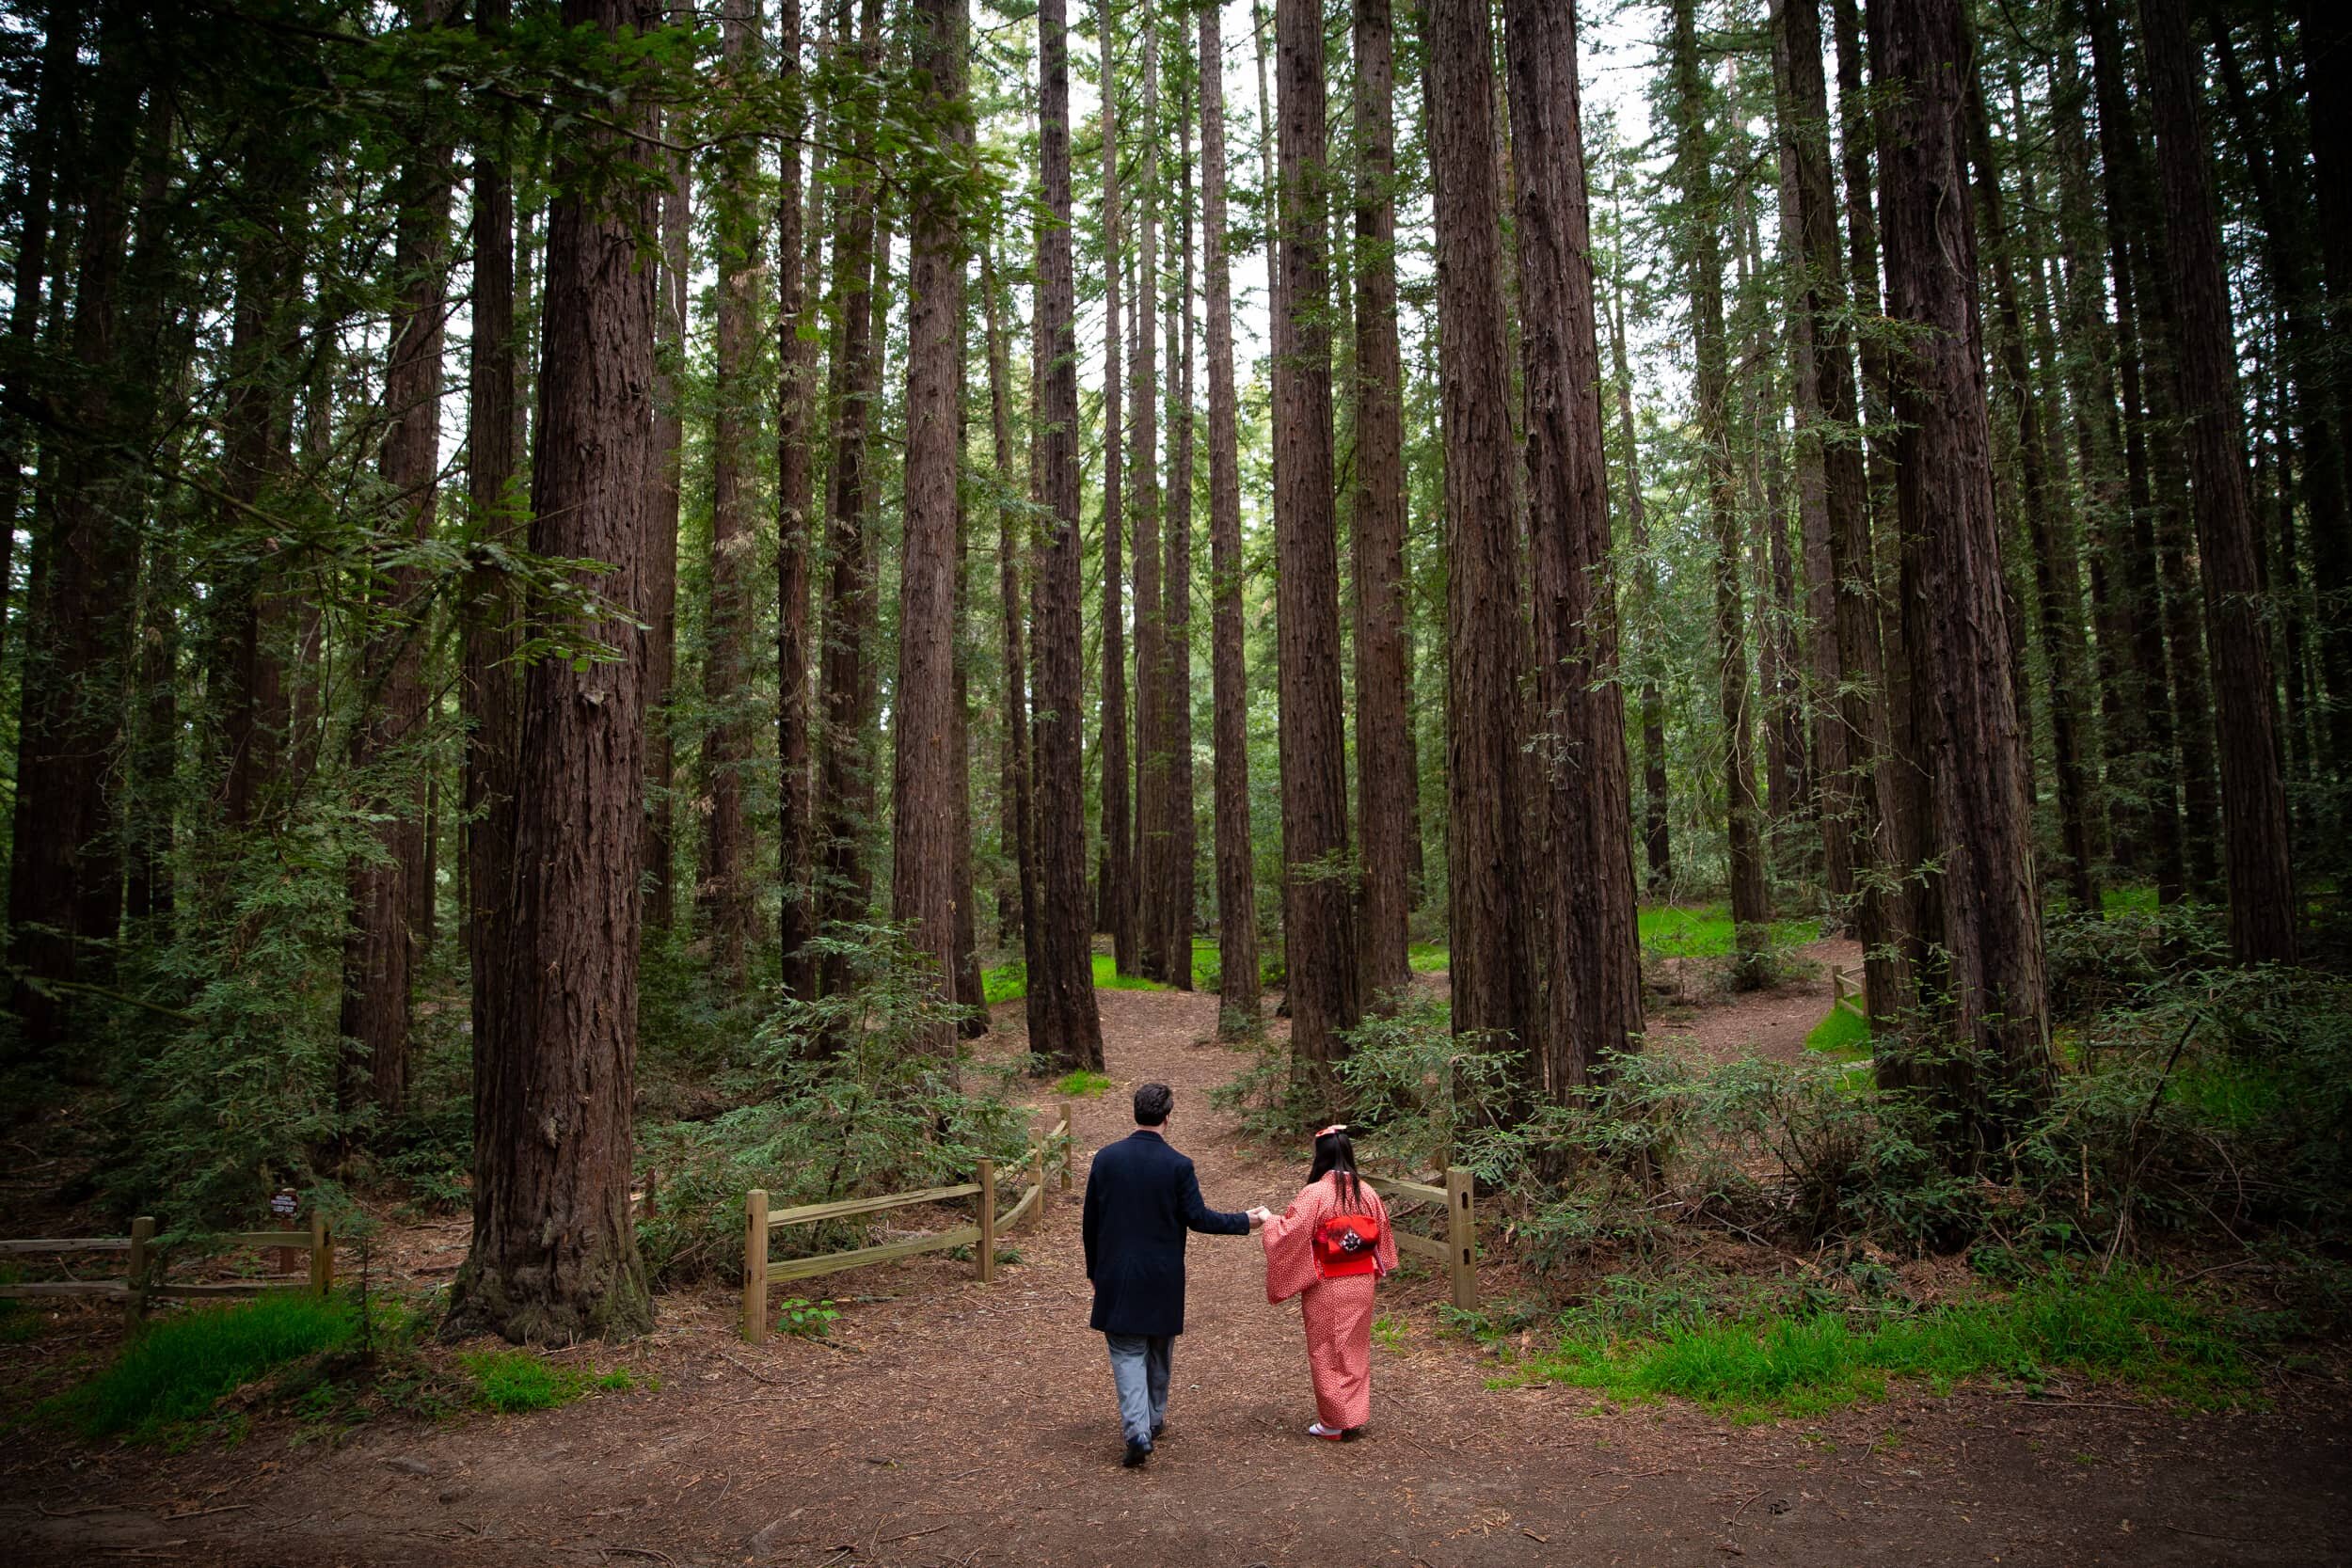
x=142, y=1239
x=1461, y=1238
x=988, y=1222
x=322, y=1256
x=1037, y=1183
x=756, y=1265
x=1070, y=1154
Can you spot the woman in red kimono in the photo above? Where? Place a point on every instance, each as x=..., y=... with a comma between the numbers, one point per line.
x=1328, y=1248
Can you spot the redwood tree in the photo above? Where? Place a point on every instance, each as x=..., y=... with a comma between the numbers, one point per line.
x=924, y=816
x=1323, y=983
x=2253, y=796
x=555, y=1253
x=1236, y=874
x=1064, y=1025
x=1983, y=1043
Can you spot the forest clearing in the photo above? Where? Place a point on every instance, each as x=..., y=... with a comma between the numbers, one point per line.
x=638, y=639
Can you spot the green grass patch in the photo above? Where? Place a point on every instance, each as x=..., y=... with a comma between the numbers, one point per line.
x=1427, y=958
x=508, y=1381
x=2128, y=900
x=176, y=1370
x=1705, y=932
x=2127, y=1331
x=1843, y=1035
x=1010, y=981
x=1081, y=1083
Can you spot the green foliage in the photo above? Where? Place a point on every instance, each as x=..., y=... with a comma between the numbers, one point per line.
x=857, y=1103
x=2140, y=948
x=175, y=1370
x=511, y=1381
x=1422, y=1091
x=810, y=1320
x=2125, y=1329
x=1081, y=1083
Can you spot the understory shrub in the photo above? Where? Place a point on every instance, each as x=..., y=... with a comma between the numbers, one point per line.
x=857, y=1103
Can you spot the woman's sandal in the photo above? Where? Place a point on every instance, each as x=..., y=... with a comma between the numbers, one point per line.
x=1329, y=1434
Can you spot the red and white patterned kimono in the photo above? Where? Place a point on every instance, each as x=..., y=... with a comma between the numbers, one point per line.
x=1338, y=1312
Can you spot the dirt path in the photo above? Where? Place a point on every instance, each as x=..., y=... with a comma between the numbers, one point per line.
x=960, y=1424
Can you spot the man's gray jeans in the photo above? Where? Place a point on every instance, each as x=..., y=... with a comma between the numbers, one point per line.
x=1139, y=1365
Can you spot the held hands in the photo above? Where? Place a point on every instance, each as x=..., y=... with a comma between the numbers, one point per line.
x=1258, y=1216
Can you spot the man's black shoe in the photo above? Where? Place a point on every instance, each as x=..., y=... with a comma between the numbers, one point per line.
x=1136, y=1454
x=1159, y=1432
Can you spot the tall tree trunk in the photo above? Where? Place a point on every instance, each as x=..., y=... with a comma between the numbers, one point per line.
x=1695, y=176
x=923, y=892
x=674, y=283
x=379, y=952
x=1384, y=774
x=2127, y=686
x=2253, y=796
x=1175, y=878
x=554, y=1255
x=1236, y=874
x=1323, y=982
x=1064, y=1025
x=489, y=630
x=723, y=888
x=1983, y=1050
x=1657, y=846
x=1858, y=716
x=2159, y=775
x=1020, y=804
x=1116, y=904
x=2049, y=531
x=1804, y=135
x=842, y=878
x=1153, y=960
x=30, y=275
x=798, y=236
x=2327, y=38
x=1492, y=964
x=1594, y=954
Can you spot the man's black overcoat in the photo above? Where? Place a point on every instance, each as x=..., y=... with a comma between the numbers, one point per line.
x=1141, y=1198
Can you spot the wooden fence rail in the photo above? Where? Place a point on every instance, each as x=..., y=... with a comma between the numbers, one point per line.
x=759, y=1271
x=1845, y=990
x=1459, y=1248
x=142, y=1281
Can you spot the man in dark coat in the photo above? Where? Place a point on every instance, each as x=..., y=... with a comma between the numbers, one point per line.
x=1141, y=1198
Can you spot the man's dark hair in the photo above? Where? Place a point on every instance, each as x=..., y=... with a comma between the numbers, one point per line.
x=1152, y=1103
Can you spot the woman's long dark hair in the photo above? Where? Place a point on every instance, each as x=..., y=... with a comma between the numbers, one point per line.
x=1334, y=1152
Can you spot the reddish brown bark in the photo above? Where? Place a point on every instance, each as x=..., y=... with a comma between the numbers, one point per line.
x=1492, y=967
x=662, y=525
x=1172, y=900
x=1593, y=956
x=1324, y=981
x=1236, y=875
x=2253, y=796
x=1115, y=909
x=1384, y=774
x=1657, y=846
x=555, y=1253
x=1020, y=803
x=1982, y=1047
x=1064, y=1024
x=925, y=742
x=798, y=278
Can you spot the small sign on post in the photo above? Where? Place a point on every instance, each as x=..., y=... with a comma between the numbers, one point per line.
x=283, y=1211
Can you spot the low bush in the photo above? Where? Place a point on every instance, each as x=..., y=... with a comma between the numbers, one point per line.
x=856, y=1102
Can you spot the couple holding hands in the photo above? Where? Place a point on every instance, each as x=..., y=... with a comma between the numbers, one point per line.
x=1326, y=1248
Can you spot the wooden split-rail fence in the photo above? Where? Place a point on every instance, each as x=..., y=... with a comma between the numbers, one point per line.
x=1458, y=1249
x=142, y=1280
x=759, y=1225
x=1845, y=990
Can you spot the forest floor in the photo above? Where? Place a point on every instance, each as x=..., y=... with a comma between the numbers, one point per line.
x=948, y=1423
